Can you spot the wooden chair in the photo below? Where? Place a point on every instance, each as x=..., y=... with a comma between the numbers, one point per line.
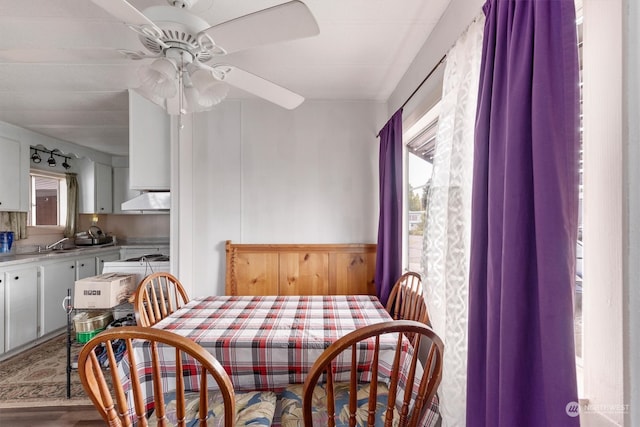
x=406, y=301
x=223, y=407
x=157, y=296
x=354, y=403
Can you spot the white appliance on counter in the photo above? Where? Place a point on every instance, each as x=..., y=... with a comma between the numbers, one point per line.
x=140, y=266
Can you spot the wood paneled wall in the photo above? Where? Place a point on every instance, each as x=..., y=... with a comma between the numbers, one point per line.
x=298, y=269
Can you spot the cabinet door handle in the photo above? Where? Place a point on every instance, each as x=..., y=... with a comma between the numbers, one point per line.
x=73, y=266
x=81, y=265
x=16, y=278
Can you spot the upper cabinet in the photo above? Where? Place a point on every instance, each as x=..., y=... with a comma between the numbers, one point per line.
x=14, y=169
x=121, y=190
x=96, y=187
x=149, y=145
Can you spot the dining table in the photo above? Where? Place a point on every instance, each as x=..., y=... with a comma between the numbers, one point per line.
x=269, y=342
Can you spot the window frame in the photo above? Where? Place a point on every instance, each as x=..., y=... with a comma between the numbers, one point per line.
x=61, y=196
x=418, y=140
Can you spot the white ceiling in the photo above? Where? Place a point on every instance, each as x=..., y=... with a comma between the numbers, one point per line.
x=60, y=74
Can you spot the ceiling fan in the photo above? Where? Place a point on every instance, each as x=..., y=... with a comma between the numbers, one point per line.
x=186, y=75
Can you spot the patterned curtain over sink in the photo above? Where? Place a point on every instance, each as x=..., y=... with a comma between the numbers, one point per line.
x=16, y=222
x=72, y=205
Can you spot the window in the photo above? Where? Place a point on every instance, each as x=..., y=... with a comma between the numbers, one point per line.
x=420, y=140
x=578, y=324
x=47, y=199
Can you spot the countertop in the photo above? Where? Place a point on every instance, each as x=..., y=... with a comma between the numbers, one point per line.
x=27, y=257
x=24, y=258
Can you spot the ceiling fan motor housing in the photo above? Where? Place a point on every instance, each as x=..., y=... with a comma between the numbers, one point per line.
x=179, y=30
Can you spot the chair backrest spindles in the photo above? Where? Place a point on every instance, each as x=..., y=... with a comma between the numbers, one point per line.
x=158, y=295
x=116, y=413
x=416, y=391
x=406, y=300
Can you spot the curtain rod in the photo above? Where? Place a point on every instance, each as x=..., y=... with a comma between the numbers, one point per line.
x=433, y=70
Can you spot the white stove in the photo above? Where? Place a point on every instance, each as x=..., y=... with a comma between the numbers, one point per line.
x=140, y=266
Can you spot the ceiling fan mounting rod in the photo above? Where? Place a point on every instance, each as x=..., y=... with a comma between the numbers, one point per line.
x=183, y=4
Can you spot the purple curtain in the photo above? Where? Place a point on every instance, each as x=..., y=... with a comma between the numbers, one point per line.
x=389, y=251
x=521, y=361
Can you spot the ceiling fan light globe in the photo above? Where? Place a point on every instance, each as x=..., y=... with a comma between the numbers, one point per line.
x=201, y=78
x=160, y=77
x=203, y=100
x=208, y=91
x=213, y=94
x=192, y=100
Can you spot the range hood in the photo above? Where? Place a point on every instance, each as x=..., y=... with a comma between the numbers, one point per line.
x=149, y=201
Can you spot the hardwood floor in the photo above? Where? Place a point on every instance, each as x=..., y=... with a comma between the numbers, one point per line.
x=51, y=416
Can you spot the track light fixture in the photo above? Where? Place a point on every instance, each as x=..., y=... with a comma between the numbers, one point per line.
x=35, y=157
x=51, y=161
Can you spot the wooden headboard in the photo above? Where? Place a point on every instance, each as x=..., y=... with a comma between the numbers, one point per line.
x=300, y=269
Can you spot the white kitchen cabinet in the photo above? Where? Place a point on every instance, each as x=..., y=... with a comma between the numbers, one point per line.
x=21, y=306
x=14, y=175
x=122, y=191
x=95, y=184
x=149, y=145
x=31, y=294
x=107, y=257
x=56, y=278
x=85, y=267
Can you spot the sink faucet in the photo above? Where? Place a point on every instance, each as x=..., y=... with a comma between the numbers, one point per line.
x=53, y=245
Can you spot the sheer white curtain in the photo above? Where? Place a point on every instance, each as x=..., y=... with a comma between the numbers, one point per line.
x=446, y=238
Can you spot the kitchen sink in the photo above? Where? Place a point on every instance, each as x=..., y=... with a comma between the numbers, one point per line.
x=43, y=252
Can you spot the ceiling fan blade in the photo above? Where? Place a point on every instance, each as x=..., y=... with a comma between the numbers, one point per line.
x=258, y=86
x=128, y=14
x=288, y=21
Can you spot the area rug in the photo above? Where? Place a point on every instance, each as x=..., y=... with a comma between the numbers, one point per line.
x=38, y=377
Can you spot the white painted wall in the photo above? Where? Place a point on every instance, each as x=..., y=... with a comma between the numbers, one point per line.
x=631, y=114
x=454, y=21
x=262, y=174
x=604, y=233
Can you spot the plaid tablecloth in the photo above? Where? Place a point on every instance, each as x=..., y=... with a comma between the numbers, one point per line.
x=269, y=342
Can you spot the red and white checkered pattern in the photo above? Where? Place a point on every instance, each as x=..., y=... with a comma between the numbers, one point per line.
x=269, y=342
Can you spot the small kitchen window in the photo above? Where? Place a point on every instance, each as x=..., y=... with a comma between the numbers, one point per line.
x=47, y=199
